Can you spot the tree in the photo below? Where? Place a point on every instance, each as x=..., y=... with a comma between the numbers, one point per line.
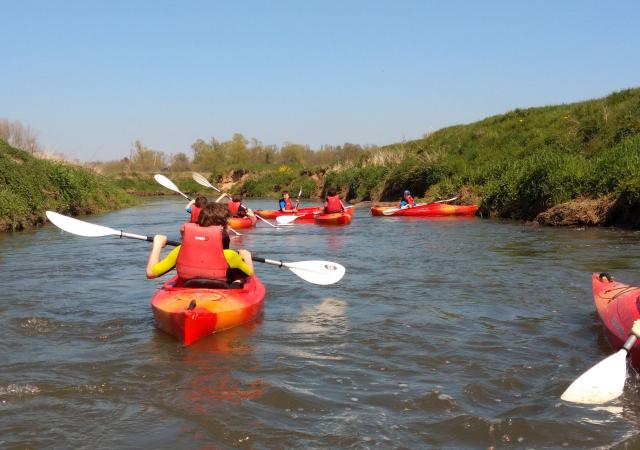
x=210, y=157
x=180, y=162
x=292, y=153
x=18, y=135
x=237, y=150
x=144, y=159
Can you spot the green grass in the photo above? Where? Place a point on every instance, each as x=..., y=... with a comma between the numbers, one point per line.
x=30, y=186
x=271, y=182
x=515, y=164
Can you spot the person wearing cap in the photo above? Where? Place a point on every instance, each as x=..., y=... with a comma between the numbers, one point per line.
x=407, y=201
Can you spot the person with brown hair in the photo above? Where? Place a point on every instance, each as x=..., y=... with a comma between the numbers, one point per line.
x=236, y=207
x=194, y=207
x=204, y=252
x=333, y=204
x=285, y=204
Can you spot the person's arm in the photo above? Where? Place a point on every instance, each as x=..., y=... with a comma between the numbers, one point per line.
x=155, y=267
x=189, y=205
x=240, y=259
x=159, y=241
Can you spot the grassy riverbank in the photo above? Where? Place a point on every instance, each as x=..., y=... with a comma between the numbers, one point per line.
x=564, y=164
x=29, y=186
x=519, y=164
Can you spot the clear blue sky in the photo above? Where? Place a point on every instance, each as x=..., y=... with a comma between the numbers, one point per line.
x=90, y=77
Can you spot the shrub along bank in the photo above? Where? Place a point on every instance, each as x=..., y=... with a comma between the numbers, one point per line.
x=29, y=186
x=519, y=164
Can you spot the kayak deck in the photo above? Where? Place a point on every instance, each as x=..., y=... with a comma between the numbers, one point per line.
x=618, y=306
x=242, y=222
x=190, y=314
x=430, y=210
x=341, y=218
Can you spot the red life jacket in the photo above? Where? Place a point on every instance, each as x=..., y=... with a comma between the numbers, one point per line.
x=201, y=254
x=195, y=212
x=334, y=205
x=410, y=201
x=288, y=204
x=233, y=208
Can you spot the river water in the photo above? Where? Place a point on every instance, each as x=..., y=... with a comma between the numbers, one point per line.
x=443, y=334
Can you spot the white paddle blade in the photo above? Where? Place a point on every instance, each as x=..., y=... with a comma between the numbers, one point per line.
x=266, y=221
x=201, y=180
x=317, y=272
x=388, y=212
x=75, y=226
x=286, y=220
x=164, y=181
x=602, y=383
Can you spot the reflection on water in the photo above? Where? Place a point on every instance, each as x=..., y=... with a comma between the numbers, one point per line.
x=446, y=333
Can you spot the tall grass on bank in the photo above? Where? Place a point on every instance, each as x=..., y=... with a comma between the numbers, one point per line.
x=515, y=164
x=30, y=186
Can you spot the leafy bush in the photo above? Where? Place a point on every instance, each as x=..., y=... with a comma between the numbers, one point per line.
x=30, y=186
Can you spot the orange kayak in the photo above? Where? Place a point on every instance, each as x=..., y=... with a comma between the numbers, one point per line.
x=242, y=222
x=191, y=313
x=341, y=218
x=432, y=209
x=304, y=213
x=618, y=307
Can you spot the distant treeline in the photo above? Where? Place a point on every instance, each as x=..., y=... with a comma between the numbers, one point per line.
x=237, y=154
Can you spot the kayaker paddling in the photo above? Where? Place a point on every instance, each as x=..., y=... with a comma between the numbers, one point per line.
x=333, y=204
x=194, y=207
x=237, y=209
x=285, y=204
x=407, y=201
x=204, y=253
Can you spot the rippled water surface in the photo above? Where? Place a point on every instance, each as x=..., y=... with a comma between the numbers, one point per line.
x=443, y=334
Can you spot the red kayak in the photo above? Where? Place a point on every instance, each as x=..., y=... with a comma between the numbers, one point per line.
x=618, y=306
x=306, y=214
x=191, y=313
x=341, y=218
x=430, y=210
x=242, y=222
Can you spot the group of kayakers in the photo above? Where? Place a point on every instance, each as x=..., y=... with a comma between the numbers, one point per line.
x=332, y=203
x=205, y=253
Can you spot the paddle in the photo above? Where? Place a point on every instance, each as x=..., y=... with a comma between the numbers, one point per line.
x=604, y=381
x=316, y=272
x=388, y=212
x=298, y=199
x=164, y=181
x=201, y=180
x=286, y=220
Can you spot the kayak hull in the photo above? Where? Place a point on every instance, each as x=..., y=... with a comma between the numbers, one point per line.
x=618, y=306
x=306, y=214
x=212, y=310
x=242, y=222
x=430, y=210
x=341, y=218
